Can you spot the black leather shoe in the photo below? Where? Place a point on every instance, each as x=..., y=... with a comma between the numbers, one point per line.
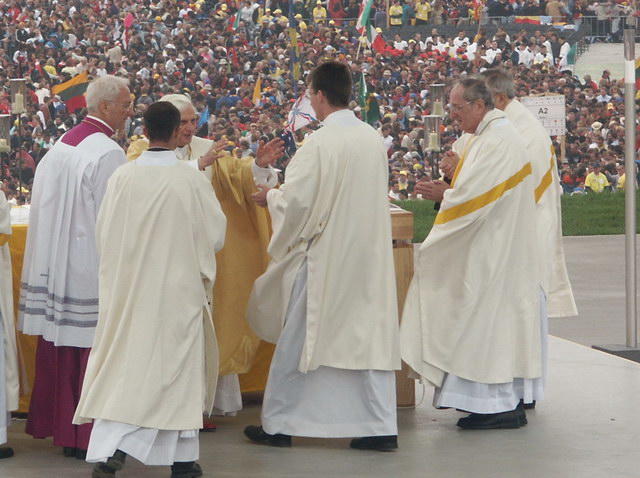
x=81, y=454
x=109, y=468
x=378, y=443
x=69, y=451
x=489, y=421
x=101, y=470
x=185, y=469
x=258, y=435
x=528, y=406
x=6, y=452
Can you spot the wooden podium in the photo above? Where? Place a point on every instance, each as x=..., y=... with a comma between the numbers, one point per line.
x=402, y=233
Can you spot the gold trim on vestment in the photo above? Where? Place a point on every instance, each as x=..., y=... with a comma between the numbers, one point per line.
x=547, y=179
x=483, y=199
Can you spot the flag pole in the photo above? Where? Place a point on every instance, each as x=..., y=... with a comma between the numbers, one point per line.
x=630, y=186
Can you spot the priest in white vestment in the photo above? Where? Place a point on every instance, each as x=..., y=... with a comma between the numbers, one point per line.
x=9, y=384
x=471, y=322
x=557, y=293
x=547, y=193
x=153, y=368
x=244, y=257
x=59, y=290
x=328, y=297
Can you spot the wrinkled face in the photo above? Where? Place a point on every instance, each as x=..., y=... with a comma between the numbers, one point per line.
x=467, y=114
x=188, y=126
x=116, y=112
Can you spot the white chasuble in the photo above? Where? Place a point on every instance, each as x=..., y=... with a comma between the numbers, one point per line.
x=333, y=212
x=472, y=309
x=547, y=193
x=9, y=379
x=158, y=231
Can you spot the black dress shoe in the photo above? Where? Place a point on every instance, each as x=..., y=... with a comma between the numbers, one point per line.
x=489, y=421
x=6, y=452
x=258, y=435
x=378, y=443
x=81, y=454
x=69, y=451
x=109, y=468
x=528, y=406
x=185, y=469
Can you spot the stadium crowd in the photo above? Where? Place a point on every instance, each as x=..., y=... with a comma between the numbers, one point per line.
x=216, y=54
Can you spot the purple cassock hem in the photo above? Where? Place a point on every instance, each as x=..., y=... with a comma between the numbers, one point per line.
x=56, y=392
x=86, y=128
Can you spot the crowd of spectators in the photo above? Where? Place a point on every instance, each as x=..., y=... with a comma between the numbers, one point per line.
x=199, y=50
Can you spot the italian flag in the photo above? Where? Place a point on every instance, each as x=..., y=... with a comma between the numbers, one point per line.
x=234, y=22
x=365, y=13
x=375, y=40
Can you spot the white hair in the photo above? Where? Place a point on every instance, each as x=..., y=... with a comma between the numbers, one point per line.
x=181, y=102
x=105, y=88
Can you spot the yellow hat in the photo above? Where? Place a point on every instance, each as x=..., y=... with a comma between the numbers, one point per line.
x=417, y=166
x=318, y=2
x=224, y=6
x=404, y=172
x=267, y=10
x=331, y=22
x=378, y=30
x=158, y=18
x=277, y=10
x=297, y=15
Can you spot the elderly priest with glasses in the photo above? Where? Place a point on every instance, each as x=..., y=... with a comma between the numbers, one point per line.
x=471, y=322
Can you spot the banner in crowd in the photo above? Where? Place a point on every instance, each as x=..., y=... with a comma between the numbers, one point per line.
x=129, y=20
x=72, y=92
x=370, y=110
x=295, y=55
x=301, y=114
x=537, y=20
x=365, y=13
x=257, y=92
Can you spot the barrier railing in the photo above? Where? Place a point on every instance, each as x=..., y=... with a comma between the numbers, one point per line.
x=608, y=30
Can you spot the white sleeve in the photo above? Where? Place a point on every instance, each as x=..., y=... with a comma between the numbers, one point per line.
x=5, y=215
x=105, y=167
x=264, y=176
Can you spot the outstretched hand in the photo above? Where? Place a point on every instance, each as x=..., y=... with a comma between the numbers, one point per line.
x=269, y=153
x=215, y=152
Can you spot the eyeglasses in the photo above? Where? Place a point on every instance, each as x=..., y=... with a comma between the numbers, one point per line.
x=457, y=108
x=125, y=106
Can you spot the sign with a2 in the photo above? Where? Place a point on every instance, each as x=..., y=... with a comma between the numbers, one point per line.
x=550, y=110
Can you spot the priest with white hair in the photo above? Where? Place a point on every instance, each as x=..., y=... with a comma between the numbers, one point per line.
x=547, y=193
x=59, y=290
x=471, y=321
x=9, y=384
x=244, y=256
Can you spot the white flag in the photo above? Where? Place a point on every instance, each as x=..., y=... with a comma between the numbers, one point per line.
x=301, y=114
